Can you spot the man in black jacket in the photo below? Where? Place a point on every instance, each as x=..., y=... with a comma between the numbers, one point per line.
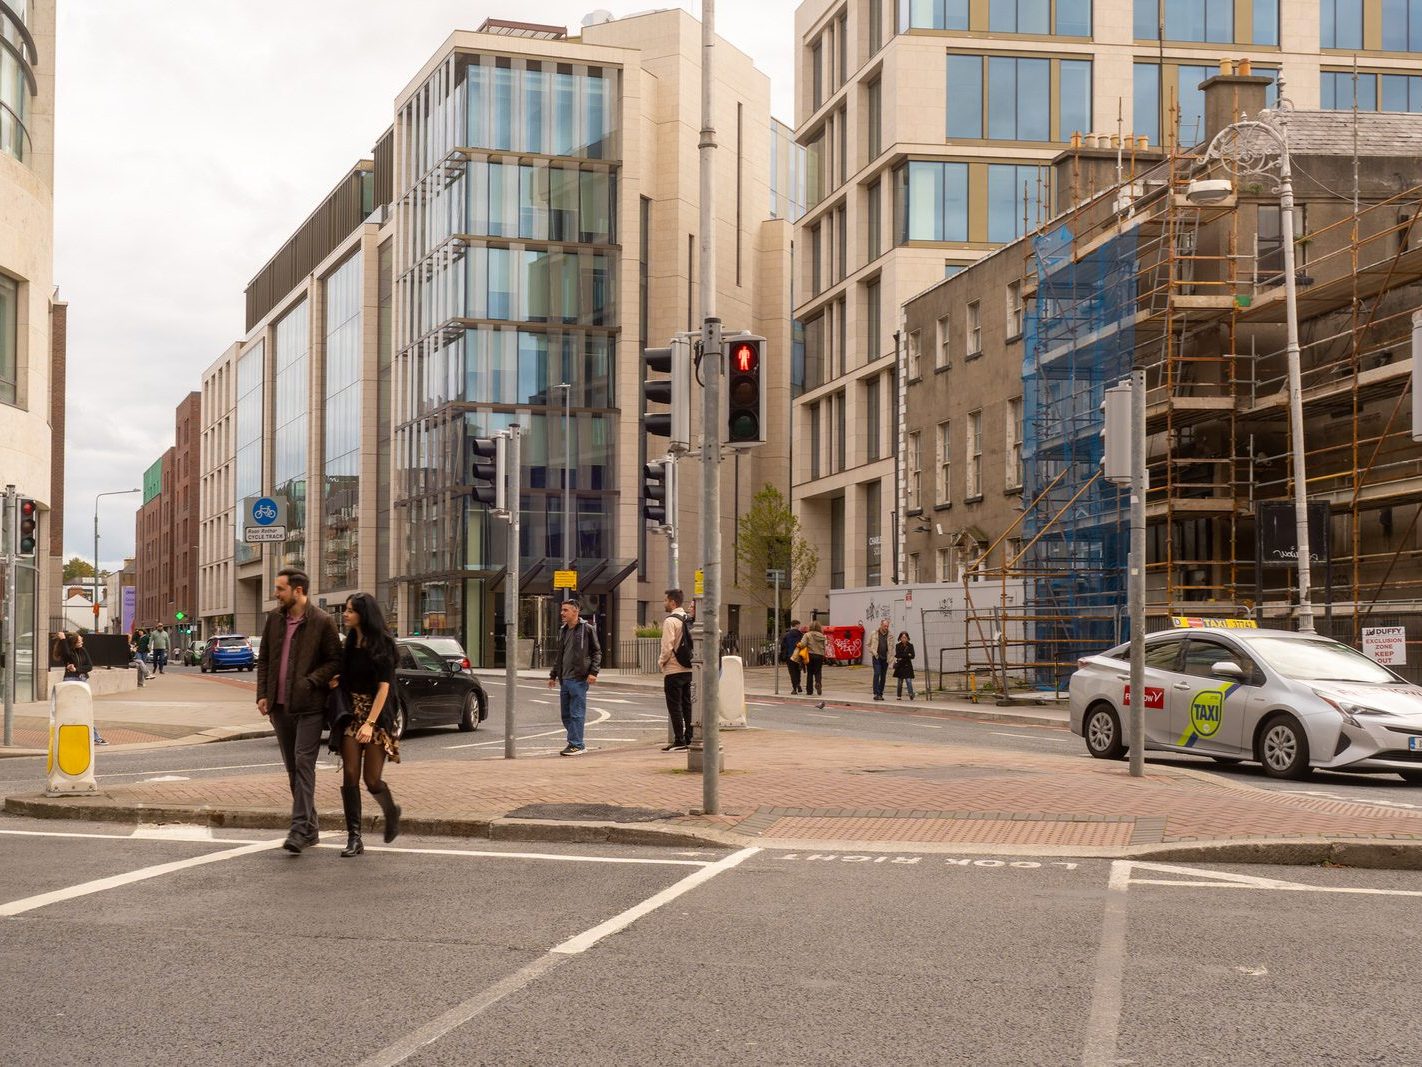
x=579, y=656
x=788, y=640
x=301, y=653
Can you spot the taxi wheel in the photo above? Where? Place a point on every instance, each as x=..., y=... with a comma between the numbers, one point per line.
x=1415, y=777
x=1103, y=732
x=1283, y=748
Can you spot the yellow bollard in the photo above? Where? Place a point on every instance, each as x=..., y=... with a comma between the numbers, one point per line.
x=70, y=763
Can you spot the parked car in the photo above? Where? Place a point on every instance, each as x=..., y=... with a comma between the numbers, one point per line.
x=227, y=652
x=1291, y=701
x=451, y=651
x=432, y=691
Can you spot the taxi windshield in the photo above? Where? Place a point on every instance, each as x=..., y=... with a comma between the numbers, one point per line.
x=1319, y=660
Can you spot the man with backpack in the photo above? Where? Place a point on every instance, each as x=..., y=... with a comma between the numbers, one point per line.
x=675, y=663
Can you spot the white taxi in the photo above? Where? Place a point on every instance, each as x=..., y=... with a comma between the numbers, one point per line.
x=1291, y=701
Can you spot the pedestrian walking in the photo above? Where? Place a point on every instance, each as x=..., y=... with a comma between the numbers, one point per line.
x=903, y=665
x=879, y=657
x=576, y=667
x=144, y=640
x=788, y=640
x=159, y=644
x=675, y=662
x=77, y=665
x=301, y=653
x=136, y=661
x=814, y=643
x=367, y=679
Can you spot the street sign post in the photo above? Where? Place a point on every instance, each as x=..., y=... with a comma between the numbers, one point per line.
x=565, y=580
x=264, y=520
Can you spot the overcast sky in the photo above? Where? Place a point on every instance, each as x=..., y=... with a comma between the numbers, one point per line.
x=192, y=138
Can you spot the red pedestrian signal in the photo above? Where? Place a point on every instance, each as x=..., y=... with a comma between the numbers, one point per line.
x=745, y=392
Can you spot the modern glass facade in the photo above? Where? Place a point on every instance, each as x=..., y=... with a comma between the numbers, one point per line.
x=1065, y=18
x=932, y=201
x=291, y=394
x=1002, y=98
x=513, y=294
x=247, y=465
x=1209, y=21
x=16, y=81
x=9, y=341
x=341, y=475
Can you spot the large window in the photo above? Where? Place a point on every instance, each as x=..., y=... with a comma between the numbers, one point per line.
x=9, y=341
x=837, y=535
x=1065, y=18
x=1002, y=98
x=874, y=104
x=933, y=14
x=974, y=486
x=542, y=201
x=1014, y=201
x=914, y=472
x=932, y=201
x=575, y=288
x=14, y=92
x=291, y=391
x=874, y=529
x=1341, y=24
x=247, y=465
x=549, y=109
x=874, y=210
x=1402, y=26
x=873, y=318
x=873, y=421
x=942, y=492
x=1207, y=21
x=340, y=496
x=1013, y=442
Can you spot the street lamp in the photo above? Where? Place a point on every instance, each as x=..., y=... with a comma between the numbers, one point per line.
x=115, y=492
x=1251, y=147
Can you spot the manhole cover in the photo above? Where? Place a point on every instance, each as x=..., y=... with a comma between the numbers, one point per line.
x=592, y=813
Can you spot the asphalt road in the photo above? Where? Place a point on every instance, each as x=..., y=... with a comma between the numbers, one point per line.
x=140, y=949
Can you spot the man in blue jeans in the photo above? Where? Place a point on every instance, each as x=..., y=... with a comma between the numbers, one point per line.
x=575, y=667
x=879, y=655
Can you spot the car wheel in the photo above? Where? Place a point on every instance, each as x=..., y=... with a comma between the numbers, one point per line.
x=1228, y=761
x=397, y=723
x=1103, y=732
x=1283, y=748
x=469, y=717
x=1415, y=777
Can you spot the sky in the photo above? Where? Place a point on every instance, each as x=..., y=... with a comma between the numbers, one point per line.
x=192, y=138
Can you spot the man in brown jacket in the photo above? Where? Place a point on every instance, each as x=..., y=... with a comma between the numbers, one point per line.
x=301, y=653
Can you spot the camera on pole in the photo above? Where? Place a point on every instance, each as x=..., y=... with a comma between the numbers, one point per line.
x=745, y=391
x=488, y=473
x=1116, y=435
x=673, y=391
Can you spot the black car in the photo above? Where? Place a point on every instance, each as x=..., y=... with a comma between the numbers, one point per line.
x=432, y=691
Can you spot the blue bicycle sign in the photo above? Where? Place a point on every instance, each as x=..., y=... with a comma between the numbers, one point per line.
x=264, y=511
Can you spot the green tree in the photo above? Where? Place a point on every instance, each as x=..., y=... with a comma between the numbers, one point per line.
x=75, y=568
x=769, y=538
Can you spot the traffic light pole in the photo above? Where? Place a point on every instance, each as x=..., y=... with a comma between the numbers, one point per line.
x=514, y=483
x=1137, y=572
x=12, y=524
x=673, y=542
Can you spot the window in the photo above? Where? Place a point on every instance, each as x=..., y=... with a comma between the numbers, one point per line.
x=874, y=529
x=874, y=209
x=973, y=336
x=873, y=326
x=933, y=14
x=1206, y=21
x=841, y=431
x=817, y=75
x=1337, y=91
x=817, y=443
x=841, y=234
x=911, y=569
x=872, y=420
x=943, y=559
x=876, y=26
x=1014, y=200
x=1163, y=655
x=1269, y=249
x=913, y=488
x=941, y=350
x=1014, y=443
x=1020, y=16
x=1201, y=657
x=1341, y=24
x=837, y=543
x=1266, y=22
x=931, y=201
x=941, y=491
x=1402, y=25
x=816, y=258
x=974, y=486
x=875, y=107
x=915, y=355
x=1014, y=309
x=9, y=341
x=1006, y=95
x=1400, y=92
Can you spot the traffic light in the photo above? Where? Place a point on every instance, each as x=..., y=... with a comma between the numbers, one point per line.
x=658, y=503
x=180, y=615
x=745, y=391
x=1116, y=434
x=489, y=470
x=28, y=538
x=674, y=391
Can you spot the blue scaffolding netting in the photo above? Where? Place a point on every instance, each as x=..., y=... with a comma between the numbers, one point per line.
x=1079, y=339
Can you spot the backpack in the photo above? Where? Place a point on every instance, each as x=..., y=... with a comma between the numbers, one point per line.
x=683, y=650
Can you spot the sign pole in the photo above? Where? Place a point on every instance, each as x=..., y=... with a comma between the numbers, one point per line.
x=1137, y=572
x=778, y=624
x=12, y=522
x=514, y=483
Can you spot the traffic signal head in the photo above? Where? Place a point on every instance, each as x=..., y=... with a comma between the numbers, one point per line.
x=656, y=492
x=745, y=391
x=180, y=615
x=674, y=392
x=28, y=535
x=488, y=470
x=1116, y=434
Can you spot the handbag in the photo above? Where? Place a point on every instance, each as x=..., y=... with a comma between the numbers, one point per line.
x=802, y=653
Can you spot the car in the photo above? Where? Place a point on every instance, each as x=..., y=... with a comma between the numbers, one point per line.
x=1292, y=702
x=451, y=651
x=227, y=652
x=432, y=691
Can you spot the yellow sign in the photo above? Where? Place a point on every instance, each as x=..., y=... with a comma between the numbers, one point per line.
x=1193, y=622
x=565, y=579
x=698, y=588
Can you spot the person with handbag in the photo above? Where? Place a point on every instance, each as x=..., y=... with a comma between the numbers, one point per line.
x=813, y=646
x=903, y=664
x=364, y=718
x=789, y=640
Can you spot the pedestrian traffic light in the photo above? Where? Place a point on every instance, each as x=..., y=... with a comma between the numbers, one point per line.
x=28, y=538
x=1116, y=434
x=657, y=505
x=674, y=391
x=180, y=615
x=745, y=392
x=489, y=470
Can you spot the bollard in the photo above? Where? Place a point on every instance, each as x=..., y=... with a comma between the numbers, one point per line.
x=70, y=765
x=733, y=693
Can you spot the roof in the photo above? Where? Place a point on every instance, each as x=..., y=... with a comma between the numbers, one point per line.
x=1330, y=133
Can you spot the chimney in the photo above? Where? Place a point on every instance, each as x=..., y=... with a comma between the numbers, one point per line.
x=1082, y=172
x=1231, y=97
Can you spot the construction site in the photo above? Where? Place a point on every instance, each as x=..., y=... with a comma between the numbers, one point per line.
x=1134, y=272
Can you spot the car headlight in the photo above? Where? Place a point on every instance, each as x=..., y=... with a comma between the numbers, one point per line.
x=1350, y=711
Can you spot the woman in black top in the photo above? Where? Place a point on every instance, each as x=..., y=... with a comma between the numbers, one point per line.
x=903, y=664
x=368, y=680
x=77, y=665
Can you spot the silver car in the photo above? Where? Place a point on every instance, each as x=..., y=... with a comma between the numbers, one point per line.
x=1291, y=701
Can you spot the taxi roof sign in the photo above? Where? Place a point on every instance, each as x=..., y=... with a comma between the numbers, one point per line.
x=1195, y=622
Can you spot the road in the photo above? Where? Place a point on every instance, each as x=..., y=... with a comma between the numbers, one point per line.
x=171, y=945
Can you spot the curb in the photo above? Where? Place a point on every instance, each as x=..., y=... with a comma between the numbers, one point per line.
x=212, y=735
x=1282, y=852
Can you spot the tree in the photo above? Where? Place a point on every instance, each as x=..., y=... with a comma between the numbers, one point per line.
x=769, y=538
x=74, y=568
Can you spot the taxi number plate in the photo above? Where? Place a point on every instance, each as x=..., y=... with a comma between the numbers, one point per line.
x=1414, y=744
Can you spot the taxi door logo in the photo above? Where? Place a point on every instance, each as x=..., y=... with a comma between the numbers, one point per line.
x=1206, y=711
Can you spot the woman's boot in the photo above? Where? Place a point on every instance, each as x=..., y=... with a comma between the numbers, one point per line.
x=391, y=810
x=350, y=801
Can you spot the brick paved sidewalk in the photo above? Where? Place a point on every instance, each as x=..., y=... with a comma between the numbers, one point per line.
x=783, y=789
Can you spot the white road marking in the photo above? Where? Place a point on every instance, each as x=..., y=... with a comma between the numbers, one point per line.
x=146, y=831
x=167, y=778
x=600, y=715
x=535, y=700
x=1351, y=800
x=813, y=715
x=1103, y=1023
x=1033, y=737
x=1203, y=879
x=610, y=700
x=187, y=770
x=927, y=726
x=476, y=1005
x=99, y=885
